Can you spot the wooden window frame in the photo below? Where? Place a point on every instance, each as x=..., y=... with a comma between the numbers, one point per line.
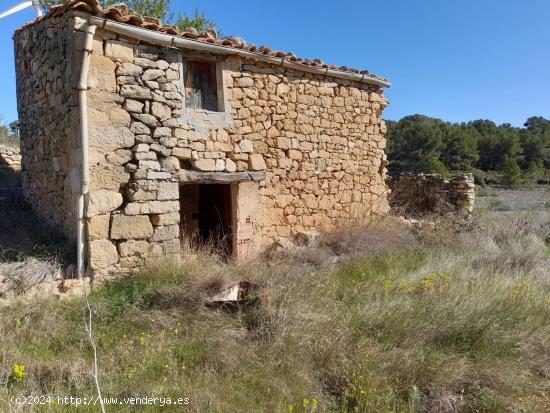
x=201, y=58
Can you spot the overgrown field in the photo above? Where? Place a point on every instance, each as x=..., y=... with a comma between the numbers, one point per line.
x=450, y=317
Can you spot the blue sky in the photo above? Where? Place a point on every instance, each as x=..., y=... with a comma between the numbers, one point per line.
x=457, y=60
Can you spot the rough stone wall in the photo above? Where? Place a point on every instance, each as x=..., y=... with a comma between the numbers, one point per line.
x=426, y=193
x=10, y=158
x=47, y=57
x=318, y=141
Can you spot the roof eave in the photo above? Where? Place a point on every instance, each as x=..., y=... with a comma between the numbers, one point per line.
x=161, y=39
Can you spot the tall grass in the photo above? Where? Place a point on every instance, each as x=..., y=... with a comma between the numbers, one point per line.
x=449, y=320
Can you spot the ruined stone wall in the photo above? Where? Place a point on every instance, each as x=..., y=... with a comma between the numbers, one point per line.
x=47, y=57
x=426, y=193
x=320, y=142
x=10, y=158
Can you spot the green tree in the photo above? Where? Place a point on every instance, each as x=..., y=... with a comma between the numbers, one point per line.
x=496, y=143
x=535, y=170
x=512, y=175
x=434, y=166
x=460, y=151
x=535, y=142
x=199, y=22
x=414, y=142
x=151, y=8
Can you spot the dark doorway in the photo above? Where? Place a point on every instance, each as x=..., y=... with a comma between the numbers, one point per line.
x=207, y=216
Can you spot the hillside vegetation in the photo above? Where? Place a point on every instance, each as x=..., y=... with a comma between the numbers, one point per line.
x=448, y=317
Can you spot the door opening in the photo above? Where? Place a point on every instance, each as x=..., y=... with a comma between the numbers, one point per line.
x=206, y=216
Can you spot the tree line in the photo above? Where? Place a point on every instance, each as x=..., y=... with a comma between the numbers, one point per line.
x=420, y=143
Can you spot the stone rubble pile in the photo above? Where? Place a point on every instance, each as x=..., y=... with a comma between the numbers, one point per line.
x=10, y=158
x=428, y=193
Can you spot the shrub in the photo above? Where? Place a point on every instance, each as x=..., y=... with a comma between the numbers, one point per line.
x=512, y=174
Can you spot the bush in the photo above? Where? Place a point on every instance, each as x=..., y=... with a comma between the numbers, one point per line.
x=512, y=175
x=498, y=205
x=435, y=166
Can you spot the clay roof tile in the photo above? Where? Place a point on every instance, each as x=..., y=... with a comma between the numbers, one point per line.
x=121, y=13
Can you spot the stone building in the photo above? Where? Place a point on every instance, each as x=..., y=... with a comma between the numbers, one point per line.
x=137, y=138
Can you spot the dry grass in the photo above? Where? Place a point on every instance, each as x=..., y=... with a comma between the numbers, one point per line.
x=31, y=253
x=445, y=320
x=494, y=199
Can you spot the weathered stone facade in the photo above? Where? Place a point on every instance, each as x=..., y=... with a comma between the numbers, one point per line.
x=10, y=158
x=297, y=151
x=47, y=58
x=428, y=193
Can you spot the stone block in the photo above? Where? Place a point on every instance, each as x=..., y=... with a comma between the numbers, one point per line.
x=162, y=132
x=98, y=227
x=165, y=219
x=152, y=207
x=119, y=118
x=283, y=143
x=129, y=69
x=152, y=74
x=155, y=147
x=170, y=163
x=101, y=74
x=140, y=128
x=230, y=165
x=108, y=139
x=131, y=227
x=161, y=111
x=168, y=191
x=101, y=202
x=166, y=233
x=256, y=162
x=294, y=154
x=168, y=142
x=182, y=153
x=244, y=82
x=136, y=92
x=109, y=177
x=133, y=106
x=171, y=247
x=154, y=165
x=134, y=248
x=103, y=254
x=206, y=165
x=147, y=119
x=220, y=165
x=155, y=175
x=246, y=146
x=119, y=51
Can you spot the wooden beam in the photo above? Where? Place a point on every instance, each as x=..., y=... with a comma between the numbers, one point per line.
x=186, y=176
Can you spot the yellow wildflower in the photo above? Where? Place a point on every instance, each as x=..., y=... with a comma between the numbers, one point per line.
x=18, y=372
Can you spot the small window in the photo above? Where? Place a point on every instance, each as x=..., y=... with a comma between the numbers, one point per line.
x=201, y=86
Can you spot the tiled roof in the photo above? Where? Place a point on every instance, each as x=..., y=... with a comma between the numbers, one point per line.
x=121, y=14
